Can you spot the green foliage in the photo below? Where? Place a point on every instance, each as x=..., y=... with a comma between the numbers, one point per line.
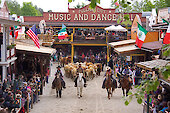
x=145, y=87
x=160, y=4
x=14, y=7
x=79, y=6
x=29, y=10
x=167, y=3
x=148, y=6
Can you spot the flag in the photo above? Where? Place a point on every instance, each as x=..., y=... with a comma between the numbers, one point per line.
x=32, y=33
x=165, y=21
x=116, y=3
x=62, y=34
x=141, y=35
x=16, y=34
x=166, y=39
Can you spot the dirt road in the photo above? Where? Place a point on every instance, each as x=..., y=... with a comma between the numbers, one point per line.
x=94, y=99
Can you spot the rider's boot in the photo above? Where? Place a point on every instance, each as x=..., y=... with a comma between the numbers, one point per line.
x=85, y=85
x=75, y=81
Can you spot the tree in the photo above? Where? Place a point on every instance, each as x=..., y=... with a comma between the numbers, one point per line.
x=28, y=9
x=39, y=11
x=160, y=4
x=167, y=3
x=137, y=6
x=14, y=7
x=148, y=6
x=79, y=6
x=50, y=11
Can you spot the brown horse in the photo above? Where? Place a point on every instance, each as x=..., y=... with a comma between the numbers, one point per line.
x=109, y=86
x=56, y=84
x=125, y=84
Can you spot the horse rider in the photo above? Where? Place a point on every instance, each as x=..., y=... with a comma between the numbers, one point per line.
x=79, y=70
x=127, y=72
x=59, y=71
x=109, y=72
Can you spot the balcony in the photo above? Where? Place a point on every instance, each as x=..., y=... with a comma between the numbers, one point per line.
x=89, y=39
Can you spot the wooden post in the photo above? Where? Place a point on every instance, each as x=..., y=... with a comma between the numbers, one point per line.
x=106, y=36
x=108, y=54
x=72, y=53
x=27, y=104
x=32, y=100
x=36, y=93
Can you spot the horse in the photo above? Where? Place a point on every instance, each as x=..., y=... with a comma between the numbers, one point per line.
x=109, y=86
x=57, y=85
x=80, y=85
x=125, y=84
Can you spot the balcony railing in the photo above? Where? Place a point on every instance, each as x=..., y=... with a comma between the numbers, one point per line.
x=114, y=38
x=89, y=39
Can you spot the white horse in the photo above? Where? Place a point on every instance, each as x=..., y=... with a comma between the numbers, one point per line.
x=80, y=85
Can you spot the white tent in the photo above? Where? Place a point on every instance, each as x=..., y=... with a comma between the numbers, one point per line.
x=120, y=28
x=116, y=28
x=110, y=28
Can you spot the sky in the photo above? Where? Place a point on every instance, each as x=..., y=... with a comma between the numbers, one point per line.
x=61, y=5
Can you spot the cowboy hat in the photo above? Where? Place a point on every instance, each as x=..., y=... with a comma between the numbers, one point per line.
x=58, y=66
x=107, y=68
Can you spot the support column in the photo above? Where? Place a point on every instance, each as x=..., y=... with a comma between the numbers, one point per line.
x=106, y=37
x=72, y=53
x=108, y=55
x=3, y=54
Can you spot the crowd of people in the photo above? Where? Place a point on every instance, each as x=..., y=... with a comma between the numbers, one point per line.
x=20, y=94
x=160, y=99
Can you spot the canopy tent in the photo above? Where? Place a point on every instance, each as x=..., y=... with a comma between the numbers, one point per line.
x=110, y=28
x=116, y=28
x=120, y=28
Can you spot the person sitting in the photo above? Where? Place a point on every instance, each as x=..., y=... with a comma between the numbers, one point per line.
x=61, y=76
x=79, y=70
x=110, y=72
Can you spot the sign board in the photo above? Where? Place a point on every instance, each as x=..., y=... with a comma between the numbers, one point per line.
x=163, y=14
x=84, y=14
x=134, y=27
x=90, y=38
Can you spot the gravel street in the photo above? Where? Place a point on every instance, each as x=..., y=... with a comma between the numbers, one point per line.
x=94, y=99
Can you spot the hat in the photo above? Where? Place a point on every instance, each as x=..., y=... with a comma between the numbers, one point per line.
x=107, y=68
x=58, y=66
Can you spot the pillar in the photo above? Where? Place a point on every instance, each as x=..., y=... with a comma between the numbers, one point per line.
x=106, y=36
x=108, y=55
x=3, y=54
x=72, y=53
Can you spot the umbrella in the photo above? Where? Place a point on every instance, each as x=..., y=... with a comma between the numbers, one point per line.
x=110, y=28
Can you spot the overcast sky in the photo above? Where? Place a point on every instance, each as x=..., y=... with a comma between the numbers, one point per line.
x=61, y=5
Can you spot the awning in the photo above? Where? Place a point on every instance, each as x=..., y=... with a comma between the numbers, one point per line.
x=153, y=64
x=9, y=22
x=152, y=46
x=121, y=43
x=126, y=48
x=33, y=48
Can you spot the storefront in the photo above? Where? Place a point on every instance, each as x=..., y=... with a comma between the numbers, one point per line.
x=85, y=27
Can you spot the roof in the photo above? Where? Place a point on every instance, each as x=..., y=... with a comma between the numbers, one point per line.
x=126, y=48
x=9, y=22
x=153, y=64
x=152, y=46
x=144, y=14
x=124, y=42
x=33, y=48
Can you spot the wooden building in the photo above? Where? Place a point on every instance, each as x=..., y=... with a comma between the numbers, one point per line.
x=85, y=28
